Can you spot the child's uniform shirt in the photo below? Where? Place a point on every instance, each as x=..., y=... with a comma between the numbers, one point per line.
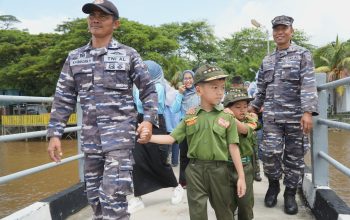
x=208, y=134
x=247, y=141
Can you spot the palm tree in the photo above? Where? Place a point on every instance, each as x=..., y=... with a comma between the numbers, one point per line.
x=334, y=59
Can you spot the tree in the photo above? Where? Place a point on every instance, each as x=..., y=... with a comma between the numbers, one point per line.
x=302, y=39
x=38, y=59
x=242, y=53
x=196, y=39
x=6, y=21
x=334, y=59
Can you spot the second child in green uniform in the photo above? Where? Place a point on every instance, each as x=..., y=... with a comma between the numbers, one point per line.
x=212, y=136
x=237, y=101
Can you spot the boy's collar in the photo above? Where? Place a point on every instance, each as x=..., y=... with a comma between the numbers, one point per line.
x=218, y=107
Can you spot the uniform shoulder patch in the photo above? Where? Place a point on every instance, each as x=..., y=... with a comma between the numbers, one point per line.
x=191, y=120
x=223, y=122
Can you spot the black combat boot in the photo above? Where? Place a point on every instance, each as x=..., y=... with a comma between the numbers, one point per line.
x=272, y=193
x=290, y=205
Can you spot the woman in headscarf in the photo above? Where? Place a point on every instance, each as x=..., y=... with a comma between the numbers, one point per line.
x=151, y=170
x=185, y=99
x=171, y=120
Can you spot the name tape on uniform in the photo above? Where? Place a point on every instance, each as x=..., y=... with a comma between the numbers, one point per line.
x=115, y=66
x=82, y=61
x=114, y=58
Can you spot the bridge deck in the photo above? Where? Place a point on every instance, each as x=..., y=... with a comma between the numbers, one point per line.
x=158, y=206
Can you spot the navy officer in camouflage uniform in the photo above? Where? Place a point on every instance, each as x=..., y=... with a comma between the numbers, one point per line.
x=287, y=91
x=102, y=74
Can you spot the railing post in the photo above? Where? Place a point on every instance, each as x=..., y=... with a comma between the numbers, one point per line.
x=320, y=170
x=79, y=123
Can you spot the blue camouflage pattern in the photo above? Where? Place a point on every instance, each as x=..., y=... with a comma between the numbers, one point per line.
x=283, y=150
x=103, y=79
x=286, y=86
x=286, y=89
x=108, y=180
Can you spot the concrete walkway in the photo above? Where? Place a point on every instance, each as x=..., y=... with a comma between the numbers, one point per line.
x=158, y=207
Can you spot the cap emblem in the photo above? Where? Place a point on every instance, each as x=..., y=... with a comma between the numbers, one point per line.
x=99, y=1
x=211, y=69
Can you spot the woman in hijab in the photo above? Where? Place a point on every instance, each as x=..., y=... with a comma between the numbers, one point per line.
x=185, y=99
x=171, y=120
x=151, y=170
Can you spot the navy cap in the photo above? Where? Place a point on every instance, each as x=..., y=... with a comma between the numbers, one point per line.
x=105, y=5
x=282, y=19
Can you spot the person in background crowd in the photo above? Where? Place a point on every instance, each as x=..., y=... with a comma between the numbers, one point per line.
x=102, y=73
x=237, y=82
x=186, y=98
x=246, y=85
x=151, y=170
x=252, y=89
x=171, y=120
x=287, y=91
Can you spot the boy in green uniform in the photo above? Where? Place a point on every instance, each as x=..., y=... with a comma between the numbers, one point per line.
x=237, y=102
x=212, y=136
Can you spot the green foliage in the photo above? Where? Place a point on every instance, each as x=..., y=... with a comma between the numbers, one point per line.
x=147, y=40
x=333, y=55
x=302, y=39
x=32, y=63
x=243, y=52
x=334, y=59
x=196, y=39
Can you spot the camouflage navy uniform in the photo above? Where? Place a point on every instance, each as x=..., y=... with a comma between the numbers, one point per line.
x=286, y=89
x=103, y=79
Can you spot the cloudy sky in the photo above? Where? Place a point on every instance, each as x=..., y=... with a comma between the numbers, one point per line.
x=322, y=20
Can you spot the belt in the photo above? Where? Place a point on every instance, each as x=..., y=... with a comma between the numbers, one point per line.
x=246, y=159
x=216, y=162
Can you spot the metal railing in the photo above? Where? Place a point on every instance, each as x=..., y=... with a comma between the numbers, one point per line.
x=22, y=136
x=319, y=149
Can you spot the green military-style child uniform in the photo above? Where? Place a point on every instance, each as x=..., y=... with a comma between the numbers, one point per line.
x=246, y=144
x=208, y=135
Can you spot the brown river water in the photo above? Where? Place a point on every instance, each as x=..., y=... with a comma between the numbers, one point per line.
x=17, y=156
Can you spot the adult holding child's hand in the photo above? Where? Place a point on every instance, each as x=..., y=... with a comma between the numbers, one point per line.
x=145, y=125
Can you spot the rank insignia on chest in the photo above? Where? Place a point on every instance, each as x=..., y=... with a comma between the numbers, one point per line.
x=224, y=123
x=191, y=121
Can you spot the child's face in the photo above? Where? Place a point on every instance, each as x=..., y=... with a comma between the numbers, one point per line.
x=211, y=93
x=239, y=109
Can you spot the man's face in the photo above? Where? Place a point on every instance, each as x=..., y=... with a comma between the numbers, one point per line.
x=282, y=34
x=101, y=24
x=212, y=92
x=239, y=109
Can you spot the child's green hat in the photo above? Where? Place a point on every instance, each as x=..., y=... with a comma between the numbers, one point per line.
x=236, y=95
x=207, y=73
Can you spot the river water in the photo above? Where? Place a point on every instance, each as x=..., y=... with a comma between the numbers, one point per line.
x=17, y=156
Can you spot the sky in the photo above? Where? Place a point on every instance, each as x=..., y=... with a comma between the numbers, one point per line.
x=321, y=20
